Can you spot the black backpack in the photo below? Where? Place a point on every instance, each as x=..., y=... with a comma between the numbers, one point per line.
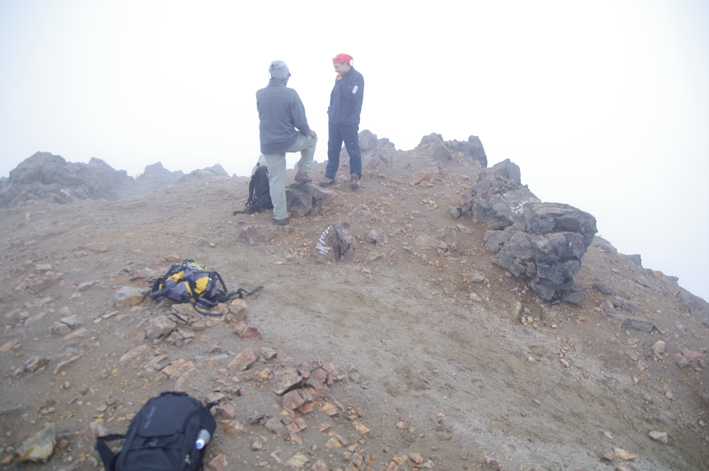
x=161, y=436
x=259, y=192
x=190, y=282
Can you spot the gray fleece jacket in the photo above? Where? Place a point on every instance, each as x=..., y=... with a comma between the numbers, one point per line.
x=281, y=115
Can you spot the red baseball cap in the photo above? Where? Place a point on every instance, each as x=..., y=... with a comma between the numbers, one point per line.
x=342, y=58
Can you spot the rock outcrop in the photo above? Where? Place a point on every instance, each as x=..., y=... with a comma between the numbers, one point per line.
x=307, y=199
x=443, y=150
x=541, y=242
x=45, y=176
x=375, y=152
x=48, y=177
x=545, y=246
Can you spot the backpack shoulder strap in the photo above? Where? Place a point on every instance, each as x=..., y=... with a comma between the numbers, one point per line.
x=108, y=457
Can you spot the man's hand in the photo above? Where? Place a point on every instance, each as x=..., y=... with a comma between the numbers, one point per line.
x=338, y=77
x=312, y=134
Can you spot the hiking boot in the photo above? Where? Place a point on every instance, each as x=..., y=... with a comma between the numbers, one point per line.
x=354, y=181
x=327, y=182
x=279, y=222
x=302, y=177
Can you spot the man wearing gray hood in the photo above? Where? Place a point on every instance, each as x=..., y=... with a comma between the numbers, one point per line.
x=283, y=128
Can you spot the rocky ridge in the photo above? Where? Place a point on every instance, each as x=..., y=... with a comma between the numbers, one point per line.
x=413, y=348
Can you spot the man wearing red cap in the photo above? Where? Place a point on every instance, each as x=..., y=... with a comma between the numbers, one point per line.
x=343, y=124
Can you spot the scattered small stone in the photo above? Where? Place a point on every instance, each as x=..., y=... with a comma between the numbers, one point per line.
x=416, y=458
x=235, y=427
x=243, y=360
x=77, y=333
x=237, y=308
x=334, y=442
x=274, y=425
x=293, y=400
x=39, y=447
x=360, y=428
x=624, y=455
x=319, y=465
x=329, y=409
x=257, y=445
x=337, y=373
x=688, y=353
x=244, y=330
x=84, y=286
x=284, y=379
x=659, y=347
x=660, y=437
x=278, y=454
x=160, y=327
x=492, y=463
x=133, y=354
x=60, y=328
x=219, y=463
x=66, y=358
x=9, y=345
x=128, y=296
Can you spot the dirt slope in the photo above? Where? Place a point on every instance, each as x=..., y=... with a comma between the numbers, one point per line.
x=435, y=378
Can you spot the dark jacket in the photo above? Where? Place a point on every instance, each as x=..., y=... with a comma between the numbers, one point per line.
x=280, y=113
x=346, y=99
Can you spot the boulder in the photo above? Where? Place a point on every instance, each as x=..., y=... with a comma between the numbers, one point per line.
x=504, y=209
x=306, y=199
x=543, y=218
x=503, y=179
x=541, y=242
x=335, y=244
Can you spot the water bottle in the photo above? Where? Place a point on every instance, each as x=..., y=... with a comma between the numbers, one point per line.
x=203, y=438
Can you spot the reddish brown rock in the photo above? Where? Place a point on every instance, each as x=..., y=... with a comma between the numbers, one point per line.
x=319, y=375
x=237, y=309
x=128, y=296
x=219, y=463
x=337, y=373
x=66, y=358
x=77, y=333
x=133, y=354
x=185, y=379
x=687, y=352
x=242, y=329
x=226, y=411
x=243, y=360
x=160, y=327
x=292, y=400
x=235, y=427
x=284, y=379
x=274, y=425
